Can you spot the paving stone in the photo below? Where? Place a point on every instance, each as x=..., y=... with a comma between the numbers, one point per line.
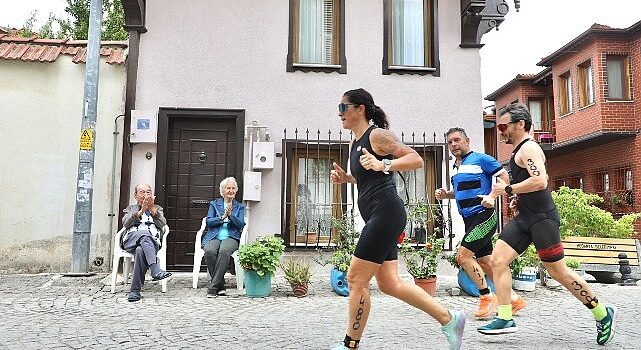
x=81, y=313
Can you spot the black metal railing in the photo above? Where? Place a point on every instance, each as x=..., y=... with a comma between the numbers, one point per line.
x=310, y=200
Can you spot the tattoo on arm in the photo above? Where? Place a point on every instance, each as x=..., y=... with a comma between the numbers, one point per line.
x=389, y=143
x=532, y=166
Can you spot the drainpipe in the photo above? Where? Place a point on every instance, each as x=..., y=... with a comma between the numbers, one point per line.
x=112, y=213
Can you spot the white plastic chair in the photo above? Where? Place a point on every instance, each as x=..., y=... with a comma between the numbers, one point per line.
x=199, y=253
x=128, y=258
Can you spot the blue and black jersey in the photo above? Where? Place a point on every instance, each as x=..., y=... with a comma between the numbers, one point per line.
x=473, y=177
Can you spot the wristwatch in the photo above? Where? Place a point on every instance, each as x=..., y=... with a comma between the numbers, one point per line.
x=508, y=190
x=388, y=165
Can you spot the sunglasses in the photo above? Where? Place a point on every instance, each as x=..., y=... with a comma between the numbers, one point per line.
x=503, y=127
x=342, y=107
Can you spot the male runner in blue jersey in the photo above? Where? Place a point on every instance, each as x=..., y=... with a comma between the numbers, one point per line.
x=471, y=186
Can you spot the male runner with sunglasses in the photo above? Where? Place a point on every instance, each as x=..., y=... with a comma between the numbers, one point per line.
x=537, y=222
x=471, y=185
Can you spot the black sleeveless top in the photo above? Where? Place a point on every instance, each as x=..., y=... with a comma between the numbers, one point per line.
x=538, y=201
x=368, y=181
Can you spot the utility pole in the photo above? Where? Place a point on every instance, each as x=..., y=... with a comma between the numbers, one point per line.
x=84, y=189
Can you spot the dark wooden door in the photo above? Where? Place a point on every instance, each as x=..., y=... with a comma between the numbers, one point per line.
x=200, y=152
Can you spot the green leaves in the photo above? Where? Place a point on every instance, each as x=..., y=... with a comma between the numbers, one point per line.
x=76, y=25
x=297, y=271
x=581, y=217
x=262, y=255
x=421, y=262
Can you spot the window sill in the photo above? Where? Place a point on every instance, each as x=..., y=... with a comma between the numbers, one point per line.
x=619, y=101
x=317, y=67
x=566, y=114
x=586, y=106
x=410, y=70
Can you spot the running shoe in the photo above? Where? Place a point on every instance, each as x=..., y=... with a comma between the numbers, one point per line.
x=518, y=304
x=498, y=326
x=605, y=327
x=454, y=329
x=340, y=347
x=487, y=306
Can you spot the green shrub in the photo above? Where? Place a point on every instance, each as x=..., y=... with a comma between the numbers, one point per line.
x=262, y=255
x=581, y=217
x=421, y=262
x=344, y=243
x=573, y=263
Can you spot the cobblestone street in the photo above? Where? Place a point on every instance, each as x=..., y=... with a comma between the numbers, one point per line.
x=55, y=312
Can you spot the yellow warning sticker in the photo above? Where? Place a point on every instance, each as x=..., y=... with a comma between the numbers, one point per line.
x=86, y=140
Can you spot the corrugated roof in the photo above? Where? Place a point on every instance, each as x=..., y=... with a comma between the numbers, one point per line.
x=48, y=50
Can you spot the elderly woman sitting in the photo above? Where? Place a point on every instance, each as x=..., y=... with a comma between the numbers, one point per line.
x=225, y=222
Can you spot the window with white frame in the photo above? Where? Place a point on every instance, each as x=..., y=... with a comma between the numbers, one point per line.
x=618, y=77
x=536, y=112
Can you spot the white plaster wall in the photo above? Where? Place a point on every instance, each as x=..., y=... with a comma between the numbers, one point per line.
x=40, y=122
x=222, y=54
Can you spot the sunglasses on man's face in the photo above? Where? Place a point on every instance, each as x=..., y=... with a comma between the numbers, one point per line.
x=342, y=107
x=503, y=127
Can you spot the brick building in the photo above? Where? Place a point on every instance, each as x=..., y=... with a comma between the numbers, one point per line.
x=586, y=113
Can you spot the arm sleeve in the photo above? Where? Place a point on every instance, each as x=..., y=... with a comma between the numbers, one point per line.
x=490, y=165
x=238, y=219
x=159, y=219
x=213, y=219
x=130, y=216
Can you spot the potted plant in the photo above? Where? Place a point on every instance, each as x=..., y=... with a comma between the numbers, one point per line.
x=421, y=262
x=298, y=274
x=344, y=246
x=260, y=259
x=524, y=270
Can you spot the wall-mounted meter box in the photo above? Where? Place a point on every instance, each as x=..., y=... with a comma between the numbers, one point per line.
x=263, y=155
x=251, y=186
x=144, y=126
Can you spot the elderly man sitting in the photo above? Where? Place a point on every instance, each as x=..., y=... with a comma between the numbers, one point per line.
x=144, y=222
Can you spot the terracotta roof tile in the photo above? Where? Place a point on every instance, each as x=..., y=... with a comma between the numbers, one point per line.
x=48, y=50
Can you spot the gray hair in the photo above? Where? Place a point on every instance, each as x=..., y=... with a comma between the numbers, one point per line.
x=518, y=111
x=142, y=184
x=223, y=183
x=456, y=129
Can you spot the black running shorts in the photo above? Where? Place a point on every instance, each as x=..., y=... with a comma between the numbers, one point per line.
x=479, y=230
x=385, y=219
x=542, y=229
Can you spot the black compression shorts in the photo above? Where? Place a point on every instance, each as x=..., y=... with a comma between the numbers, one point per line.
x=542, y=229
x=385, y=219
x=479, y=230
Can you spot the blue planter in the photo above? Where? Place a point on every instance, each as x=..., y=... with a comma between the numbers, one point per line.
x=338, y=280
x=468, y=286
x=256, y=286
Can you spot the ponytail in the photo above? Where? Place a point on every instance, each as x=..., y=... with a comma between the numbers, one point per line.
x=378, y=116
x=372, y=111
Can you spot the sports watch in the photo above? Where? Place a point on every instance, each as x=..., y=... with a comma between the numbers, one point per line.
x=508, y=190
x=388, y=165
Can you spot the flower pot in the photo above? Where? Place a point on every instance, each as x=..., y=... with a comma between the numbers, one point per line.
x=428, y=284
x=526, y=280
x=256, y=286
x=338, y=280
x=469, y=287
x=300, y=290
